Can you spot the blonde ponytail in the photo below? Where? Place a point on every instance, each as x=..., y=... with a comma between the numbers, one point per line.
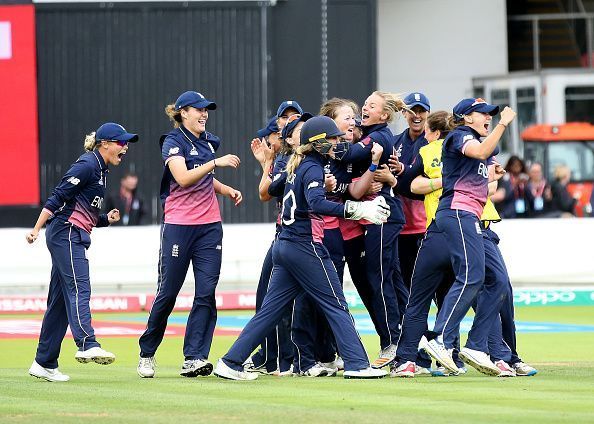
x=174, y=115
x=298, y=155
x=90, y=142
x=392, y=104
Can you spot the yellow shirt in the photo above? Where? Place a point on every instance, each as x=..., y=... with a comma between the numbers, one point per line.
x=431, y=155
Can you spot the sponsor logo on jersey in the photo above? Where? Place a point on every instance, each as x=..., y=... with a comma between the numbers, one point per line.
x=194, y=152
x=313, y=184
x=175, y=251
x=483, y=170
x=478, y=228
x=97, y=202
x=73, y=180
x=173, y=151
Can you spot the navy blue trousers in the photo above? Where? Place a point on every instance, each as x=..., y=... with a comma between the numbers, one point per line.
x=354, y=253
x=276, y=350
x=387, y=289
x=408, y=247
x=180, y=245
x=311, y=332
x=490, y=299
x=467, y=254
x=69, y=293
x=302, y=267
x=506, y=349
x=432, y=272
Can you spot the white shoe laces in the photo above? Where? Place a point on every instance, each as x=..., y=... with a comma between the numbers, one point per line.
x=147, y=362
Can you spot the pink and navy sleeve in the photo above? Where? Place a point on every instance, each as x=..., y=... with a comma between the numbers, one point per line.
x=171, y=148
x=72, y=183
x=315, y=193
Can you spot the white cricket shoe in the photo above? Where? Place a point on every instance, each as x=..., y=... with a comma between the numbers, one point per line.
x=422, y=370
x=437, y=350
x=195, y=367
x=385, y=357
x=338, y=364
x=49, y=374
x=365, y=373
x=406, y=370
x=224, y=371
x=146, y=367
x=479, y=360
x=318, y=370
x=505, y=369
x=444, y=372
x=524, y=370
x=95, y=354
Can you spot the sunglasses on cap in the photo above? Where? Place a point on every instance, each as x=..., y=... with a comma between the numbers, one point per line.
x=121, y=143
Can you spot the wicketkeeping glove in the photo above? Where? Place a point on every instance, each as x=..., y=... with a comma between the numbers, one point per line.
x=376, y=211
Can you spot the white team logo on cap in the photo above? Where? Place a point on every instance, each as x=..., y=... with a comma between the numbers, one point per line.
x=417, y=97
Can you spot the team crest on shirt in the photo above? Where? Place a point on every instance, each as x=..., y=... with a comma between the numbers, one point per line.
x=173, y=151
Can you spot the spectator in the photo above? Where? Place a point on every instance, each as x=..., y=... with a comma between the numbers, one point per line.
x=562, y=204
x=130, y=205
x=538, y=192
x=510, y=198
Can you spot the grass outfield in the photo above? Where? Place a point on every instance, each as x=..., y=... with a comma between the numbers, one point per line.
x=563, y=390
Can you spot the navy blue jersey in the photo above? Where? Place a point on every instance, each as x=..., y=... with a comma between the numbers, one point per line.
x=406, y=148
x=465, y=180
x=381, y=134
x=196, y=204
x=278, y=176
x=79, y=196
x=304, y=202
x=349, y=166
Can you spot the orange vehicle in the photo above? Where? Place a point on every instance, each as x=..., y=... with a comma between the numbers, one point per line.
x=570, y=144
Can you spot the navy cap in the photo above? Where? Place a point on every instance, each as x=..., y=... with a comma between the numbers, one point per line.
x=417, y=99
x=113, y=131
x=467, y=106
x=319, y=128
x=270, y=128
x=194, y=99
x=288, y=129
x=287, y=104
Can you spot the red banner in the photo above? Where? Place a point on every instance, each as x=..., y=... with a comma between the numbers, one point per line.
x=19, y=161
x=129, y=303
x=99, y=303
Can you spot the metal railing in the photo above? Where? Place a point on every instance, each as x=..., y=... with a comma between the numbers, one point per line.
x=535, y=20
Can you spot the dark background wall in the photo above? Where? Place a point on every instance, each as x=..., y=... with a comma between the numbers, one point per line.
x=125, y=61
